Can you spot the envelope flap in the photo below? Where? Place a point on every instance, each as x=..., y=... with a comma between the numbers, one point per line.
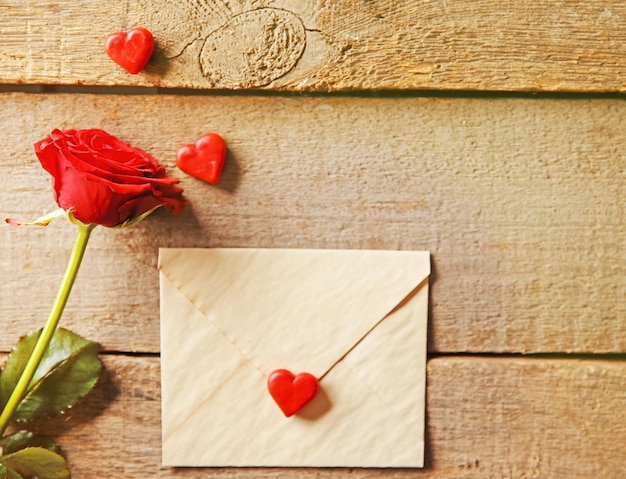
x=298, y=309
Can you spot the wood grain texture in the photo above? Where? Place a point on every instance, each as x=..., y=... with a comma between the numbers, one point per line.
x=486, y=418
x=519, y=201
x=295, y=45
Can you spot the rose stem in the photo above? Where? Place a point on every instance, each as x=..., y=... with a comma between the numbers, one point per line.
x=80, y=244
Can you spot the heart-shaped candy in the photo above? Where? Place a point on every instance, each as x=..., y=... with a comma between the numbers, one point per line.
x=204, y=159
x=291, y=392
x=130, y=50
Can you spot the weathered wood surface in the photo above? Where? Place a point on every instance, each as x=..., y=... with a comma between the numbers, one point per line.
x=486, y=418
x=295, y=45
x=520, y=202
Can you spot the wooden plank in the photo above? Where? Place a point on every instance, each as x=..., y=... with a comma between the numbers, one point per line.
x=518, y=200
x=487, y=417
x=293, y=45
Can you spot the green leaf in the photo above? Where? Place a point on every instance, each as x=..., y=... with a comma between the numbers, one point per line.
x=69, y=370
x=23, y=439
x=35, y=462
x=6, y=473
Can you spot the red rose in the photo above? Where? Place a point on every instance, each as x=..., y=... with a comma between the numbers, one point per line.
x=103, y=180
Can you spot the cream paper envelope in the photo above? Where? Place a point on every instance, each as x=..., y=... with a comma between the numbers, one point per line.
x=354, y=319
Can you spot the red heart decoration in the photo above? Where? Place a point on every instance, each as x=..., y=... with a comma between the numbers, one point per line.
x=204, y=159
x=291, y=392
x=130, y=50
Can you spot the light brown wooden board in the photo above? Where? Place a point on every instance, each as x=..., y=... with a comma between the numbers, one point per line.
x=520, y=202
x=486, y=417
x=295, y=45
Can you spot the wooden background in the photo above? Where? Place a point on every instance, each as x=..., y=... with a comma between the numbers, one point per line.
x=490, y=133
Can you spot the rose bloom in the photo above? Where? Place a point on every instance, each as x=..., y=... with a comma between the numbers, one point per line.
x=103, y=180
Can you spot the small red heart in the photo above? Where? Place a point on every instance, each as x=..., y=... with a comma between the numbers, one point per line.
x=204, y=159
x=291, y=392
x=130, y=50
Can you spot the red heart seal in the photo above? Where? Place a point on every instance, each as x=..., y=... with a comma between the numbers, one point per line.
x=130, y=50
x=291, y=392
x=204, y=159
